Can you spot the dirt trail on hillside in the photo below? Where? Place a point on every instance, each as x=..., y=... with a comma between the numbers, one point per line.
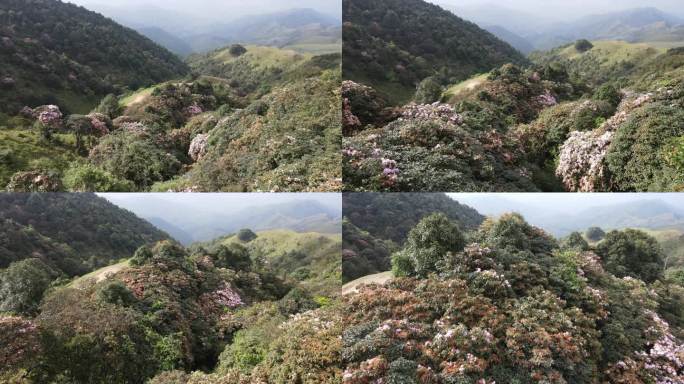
x=380, y=278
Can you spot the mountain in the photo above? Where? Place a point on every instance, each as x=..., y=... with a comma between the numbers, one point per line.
x=649, y=214
x=75, y=233
x=391, y=216
x=393, y=45
x=514, y=20
x=200, y=221
x=167, y=40
x=376, y=224
x=516, y=41
x=55, y=52
x=632, y=25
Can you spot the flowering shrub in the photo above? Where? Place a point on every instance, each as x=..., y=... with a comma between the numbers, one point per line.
x=34, y=181
x=581, y=163
x=198, y=147
x=20, y=343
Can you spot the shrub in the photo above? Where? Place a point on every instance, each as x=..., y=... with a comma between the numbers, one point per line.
x=632, y=253
x=595, y=234
x=88, y=178
x=429, y=91
x=246, y=235
x=237, y=50
x=429, y=243
x=583, y=45
x=22, y=286
x=608, y=93
x=576, y=241
x=137, y=159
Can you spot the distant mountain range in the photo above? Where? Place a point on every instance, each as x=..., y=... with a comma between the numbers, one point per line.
x=189, y=223
x=184, y=34
x=524, y=30
x=647, y=213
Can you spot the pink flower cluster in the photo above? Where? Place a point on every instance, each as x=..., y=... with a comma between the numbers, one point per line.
x=435, y=111
x=99, y=126
x=547, y=99
x=581, y=164
x=50, y=116
x=390, y=171
x=227, y=297
x=194, y=110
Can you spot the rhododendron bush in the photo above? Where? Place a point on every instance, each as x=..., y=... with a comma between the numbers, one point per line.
x=510, y=308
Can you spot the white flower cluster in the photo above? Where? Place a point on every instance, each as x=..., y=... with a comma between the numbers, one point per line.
x=435, y=111
x=198, y=147
x=580, y=164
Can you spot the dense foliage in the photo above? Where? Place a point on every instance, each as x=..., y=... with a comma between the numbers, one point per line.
x=393, y=45
x=601, y=118
x=169, y=315
x=56, y=52
x=73, y=233
x=513, y=306
x=375, y=224
x=106, y=118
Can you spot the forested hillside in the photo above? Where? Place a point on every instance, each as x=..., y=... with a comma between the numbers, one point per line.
x=252, y=307
x=508, y=303
x=393, y=45
x=377, y=224
x=602, y=116
x=206, y=132
x=58, y=53
x=73, y=233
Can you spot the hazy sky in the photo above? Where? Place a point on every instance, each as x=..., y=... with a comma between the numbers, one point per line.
x=220, y=10
x=564, y=203
x=563, y=9
x=216, y=203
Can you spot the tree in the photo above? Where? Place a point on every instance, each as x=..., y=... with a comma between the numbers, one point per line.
x=246, y=235
x=583, y=45
x=233, y=256
x=109, y=106
x=428, y=245
x=576, y=241
x=237, y=50
x=428, y=91
x=608, y=93
x=22, y=286
x=632, y=253
x=595, y=234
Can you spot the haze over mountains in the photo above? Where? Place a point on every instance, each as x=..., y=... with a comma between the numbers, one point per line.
x=530, y=29
x=561, y=215
x=300, y=24
x=208, y=216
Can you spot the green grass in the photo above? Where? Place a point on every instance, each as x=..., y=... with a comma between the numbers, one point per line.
x=612, y=52
x=275, y=242
x=466, y=85
x=137, y=96
x=24, y=150
x=316, y=48
x=266, y=57
x=100, y=274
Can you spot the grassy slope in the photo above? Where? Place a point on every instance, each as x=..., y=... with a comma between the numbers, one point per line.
x=378, y=278
x=466, y=85
x=264, y=57
x=24, y=149
x=323, y=251
x=100, y=274
x=612, y=52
